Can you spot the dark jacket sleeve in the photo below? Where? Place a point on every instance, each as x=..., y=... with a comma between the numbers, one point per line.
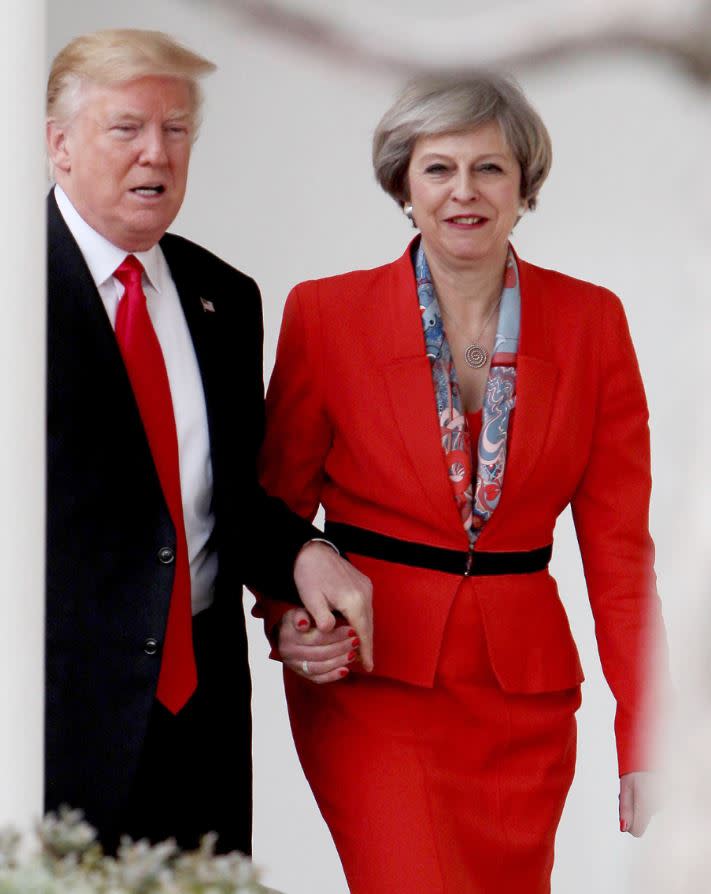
x=275, y=535
x=258, y=535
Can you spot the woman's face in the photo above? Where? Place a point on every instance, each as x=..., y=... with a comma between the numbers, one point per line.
x=465, y=194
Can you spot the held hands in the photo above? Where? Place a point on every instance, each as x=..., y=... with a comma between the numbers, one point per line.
x=322, y=657
x=326, y=584
x=638, y=801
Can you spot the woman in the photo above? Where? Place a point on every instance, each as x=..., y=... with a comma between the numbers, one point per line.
x=444, y=409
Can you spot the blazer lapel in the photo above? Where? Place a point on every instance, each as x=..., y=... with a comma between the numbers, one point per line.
x=69, y=282
x=408, y=380
x=68, y=275
x=409, y=384
x=536, y=379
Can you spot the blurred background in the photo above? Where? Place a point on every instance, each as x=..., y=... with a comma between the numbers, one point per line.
x=281, y=186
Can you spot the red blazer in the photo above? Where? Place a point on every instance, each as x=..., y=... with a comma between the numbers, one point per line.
x=352, y=424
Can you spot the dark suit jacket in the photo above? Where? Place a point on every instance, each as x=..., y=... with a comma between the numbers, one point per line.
x=107, y=591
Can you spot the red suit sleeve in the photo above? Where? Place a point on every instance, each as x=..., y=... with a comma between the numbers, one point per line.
x=611, y=515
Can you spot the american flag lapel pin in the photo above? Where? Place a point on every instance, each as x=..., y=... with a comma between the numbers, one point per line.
x=207, y=306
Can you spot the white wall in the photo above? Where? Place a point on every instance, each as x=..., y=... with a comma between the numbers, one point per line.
x=281, y=186
x=22, y=349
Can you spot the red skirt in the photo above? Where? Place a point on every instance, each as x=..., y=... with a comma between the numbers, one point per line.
x=454, y=789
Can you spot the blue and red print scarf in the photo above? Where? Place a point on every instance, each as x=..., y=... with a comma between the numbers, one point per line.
x=475, y=502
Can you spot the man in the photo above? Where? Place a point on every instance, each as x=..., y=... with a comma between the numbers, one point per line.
x=155, y=515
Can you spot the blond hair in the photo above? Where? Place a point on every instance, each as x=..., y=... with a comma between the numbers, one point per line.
x=117, y=56
x=429, y=106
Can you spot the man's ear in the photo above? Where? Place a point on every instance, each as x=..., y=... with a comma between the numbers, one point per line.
x=57, y=148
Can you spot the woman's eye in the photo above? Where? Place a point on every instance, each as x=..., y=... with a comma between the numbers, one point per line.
x=435, y=169
x=490, y=168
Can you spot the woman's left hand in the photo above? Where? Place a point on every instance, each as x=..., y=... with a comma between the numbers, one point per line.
x=638, y=801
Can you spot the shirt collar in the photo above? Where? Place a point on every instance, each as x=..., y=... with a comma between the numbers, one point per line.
x=103, y=257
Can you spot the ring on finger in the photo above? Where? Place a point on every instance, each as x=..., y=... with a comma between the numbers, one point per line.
x=305, y=667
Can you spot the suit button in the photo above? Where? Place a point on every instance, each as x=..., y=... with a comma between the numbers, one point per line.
x=150, y=646
x=166, y=555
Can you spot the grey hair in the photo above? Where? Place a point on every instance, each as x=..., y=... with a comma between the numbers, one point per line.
x=429, y=106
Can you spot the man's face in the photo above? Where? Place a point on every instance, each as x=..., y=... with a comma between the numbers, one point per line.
x=123, y=159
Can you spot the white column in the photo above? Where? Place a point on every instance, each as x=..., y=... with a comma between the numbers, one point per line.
x=22, y=364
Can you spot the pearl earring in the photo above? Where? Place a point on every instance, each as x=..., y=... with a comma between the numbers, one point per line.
x=407, y=211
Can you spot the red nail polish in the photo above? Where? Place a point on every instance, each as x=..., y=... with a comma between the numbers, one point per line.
x=355, y=642
x=623, y=825
x=343, y=672
x=351, y=655
x=302, y=623
x=351, y=632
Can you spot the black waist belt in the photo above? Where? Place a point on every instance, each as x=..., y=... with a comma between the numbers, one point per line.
x=350, y=539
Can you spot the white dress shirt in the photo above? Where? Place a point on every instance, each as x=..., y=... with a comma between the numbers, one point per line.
x=184, y=378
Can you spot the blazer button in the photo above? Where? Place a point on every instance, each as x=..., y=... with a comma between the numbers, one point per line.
x=150, y=646
x=166, y=555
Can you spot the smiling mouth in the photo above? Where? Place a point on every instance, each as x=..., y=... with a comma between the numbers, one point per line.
x=149, y=191
x=466, y=220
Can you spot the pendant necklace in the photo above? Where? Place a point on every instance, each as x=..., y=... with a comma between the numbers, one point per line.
x=475, y=354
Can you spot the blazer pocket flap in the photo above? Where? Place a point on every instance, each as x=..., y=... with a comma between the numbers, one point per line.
x=528, y=636
x=410, y=611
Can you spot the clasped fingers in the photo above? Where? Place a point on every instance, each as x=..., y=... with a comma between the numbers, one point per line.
x=322, y=657
x=357, y=606
x=321, y=671
x=328, y=583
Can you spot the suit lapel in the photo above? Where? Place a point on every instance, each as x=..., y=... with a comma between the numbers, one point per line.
x=202, y=315
x=69, y=279
x=536, y=379
x=409, y=384
x=72, y=296
x=187, y=282
x=408, y=379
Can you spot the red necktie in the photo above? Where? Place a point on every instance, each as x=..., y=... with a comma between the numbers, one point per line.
x=144, y=362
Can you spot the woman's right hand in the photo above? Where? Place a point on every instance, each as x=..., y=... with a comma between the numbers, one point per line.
x=320, y=657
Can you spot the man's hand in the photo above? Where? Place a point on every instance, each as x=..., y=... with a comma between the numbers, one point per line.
x=328, y=583
x=638, y=801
